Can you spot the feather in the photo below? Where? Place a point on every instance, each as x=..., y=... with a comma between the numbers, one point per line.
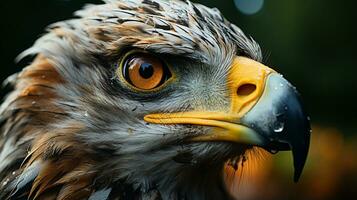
x=100, y=195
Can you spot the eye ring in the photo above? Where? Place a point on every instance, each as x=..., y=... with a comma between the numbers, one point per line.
x=143, y=71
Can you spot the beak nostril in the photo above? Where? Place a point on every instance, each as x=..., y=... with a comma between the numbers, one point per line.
x=246, y=89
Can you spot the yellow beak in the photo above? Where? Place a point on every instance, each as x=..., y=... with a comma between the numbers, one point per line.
x=246, y=83
x=265, y=110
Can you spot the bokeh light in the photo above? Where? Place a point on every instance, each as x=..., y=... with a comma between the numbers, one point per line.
x=249, y=7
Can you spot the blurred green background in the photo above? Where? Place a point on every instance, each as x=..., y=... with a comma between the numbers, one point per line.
x=311, y=42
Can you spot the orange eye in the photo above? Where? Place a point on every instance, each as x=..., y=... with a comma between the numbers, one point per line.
x=144, y=71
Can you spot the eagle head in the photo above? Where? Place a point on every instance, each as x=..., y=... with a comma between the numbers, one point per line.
x=142, y=99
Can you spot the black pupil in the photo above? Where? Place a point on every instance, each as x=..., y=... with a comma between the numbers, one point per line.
x=146, y=70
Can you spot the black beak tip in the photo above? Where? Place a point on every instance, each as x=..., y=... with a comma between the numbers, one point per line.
x=280, y=117
x=297, y=175
x=298, y=167
x=300, y=152
x=298, y=136
x=298, y=130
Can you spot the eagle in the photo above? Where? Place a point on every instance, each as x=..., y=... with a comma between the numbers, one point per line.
x=144, y=100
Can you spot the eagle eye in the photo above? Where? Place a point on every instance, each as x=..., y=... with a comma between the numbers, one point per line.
x=144, y=71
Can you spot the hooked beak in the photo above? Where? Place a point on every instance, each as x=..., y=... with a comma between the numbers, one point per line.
x=280, y=118
x=266, y=111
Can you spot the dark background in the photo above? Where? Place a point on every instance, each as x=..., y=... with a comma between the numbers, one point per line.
x=312, y=43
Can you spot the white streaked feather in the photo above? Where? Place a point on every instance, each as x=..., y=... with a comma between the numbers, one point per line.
x=8, y=149
x=101, y=194
x=26, y=177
